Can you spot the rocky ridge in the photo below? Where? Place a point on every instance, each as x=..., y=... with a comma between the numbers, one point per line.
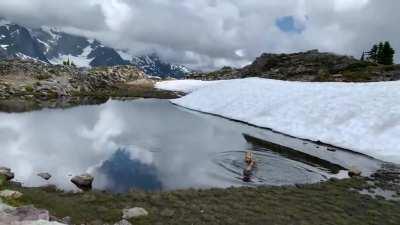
x=312, y=66
x=30, y=79
x=27, y=85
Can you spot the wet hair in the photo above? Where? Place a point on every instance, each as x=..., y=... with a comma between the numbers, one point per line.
x=248, y=157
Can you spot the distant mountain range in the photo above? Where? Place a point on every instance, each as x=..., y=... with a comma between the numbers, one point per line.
x=50, y=45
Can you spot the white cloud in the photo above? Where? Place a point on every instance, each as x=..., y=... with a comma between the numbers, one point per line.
x=204, y=34
x=116, y=12
x=344, y=5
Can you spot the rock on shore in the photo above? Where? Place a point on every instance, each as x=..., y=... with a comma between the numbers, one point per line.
x=6, y=172
x=83, y=181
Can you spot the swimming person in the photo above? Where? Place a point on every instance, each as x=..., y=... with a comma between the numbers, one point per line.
x=250, y=164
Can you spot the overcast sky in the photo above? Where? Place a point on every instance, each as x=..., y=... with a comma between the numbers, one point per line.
x=207, y=34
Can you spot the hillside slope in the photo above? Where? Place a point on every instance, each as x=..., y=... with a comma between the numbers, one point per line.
x=308, y=66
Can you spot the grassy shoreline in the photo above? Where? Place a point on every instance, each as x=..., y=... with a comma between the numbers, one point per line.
x=331, y=202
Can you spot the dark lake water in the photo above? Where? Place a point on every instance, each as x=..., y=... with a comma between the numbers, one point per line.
x=154, y=145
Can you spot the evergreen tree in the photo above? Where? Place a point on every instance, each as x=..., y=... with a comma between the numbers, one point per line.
x=380, y=55
x=362, y=57
x=373, y=54
x=387, y=54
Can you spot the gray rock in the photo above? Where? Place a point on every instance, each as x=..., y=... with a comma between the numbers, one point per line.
x=66, y=220
x=45, y=176
x=134, y=212
x=6, y=172
x=123, y=222
x=83, y=181
x=10, y=194
x=167, y=213
x=354, y=172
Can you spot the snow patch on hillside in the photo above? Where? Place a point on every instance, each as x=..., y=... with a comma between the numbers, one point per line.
x=81, y=60
x=186, y=86
x=47, y=46
x=363, y=117
x=4, y=22
x=124, y=55
x=26, y=57
x=181, y=68
x=52, y=32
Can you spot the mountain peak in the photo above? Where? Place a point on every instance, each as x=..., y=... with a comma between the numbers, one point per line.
x=51, y=45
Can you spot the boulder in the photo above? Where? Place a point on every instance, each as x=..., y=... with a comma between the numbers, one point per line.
x=133, y=213
x=45, y=176
x=83, y=181
x=10, y=194
x=6, y=172
x=354, y=172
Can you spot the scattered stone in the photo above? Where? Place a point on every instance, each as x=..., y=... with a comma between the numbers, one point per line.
x=123, y=222
x=66, y=220
x=354, y=172
x=83, y=181
x=30, y=213
x=10, y=194
x=6, y=172
x=167, y=213
x=45, y=176
x=134, y=212
x=96, y=222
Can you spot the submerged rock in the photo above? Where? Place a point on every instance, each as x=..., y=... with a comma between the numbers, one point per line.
x=134, y=212
x=6, y=172
x=83, y=181
x=45, y=176
x=10, y=194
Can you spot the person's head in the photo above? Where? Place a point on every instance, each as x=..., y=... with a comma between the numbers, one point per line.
x=248, y=157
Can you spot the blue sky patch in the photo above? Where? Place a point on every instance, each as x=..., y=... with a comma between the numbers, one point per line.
x=288, y=24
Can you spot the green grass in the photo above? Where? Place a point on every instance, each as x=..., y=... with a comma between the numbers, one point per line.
x=331, y=202
x=2, y=181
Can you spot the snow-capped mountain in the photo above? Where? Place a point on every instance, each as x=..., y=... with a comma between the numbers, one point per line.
x=53, y=46
x=16, y=41
x=152, y=64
